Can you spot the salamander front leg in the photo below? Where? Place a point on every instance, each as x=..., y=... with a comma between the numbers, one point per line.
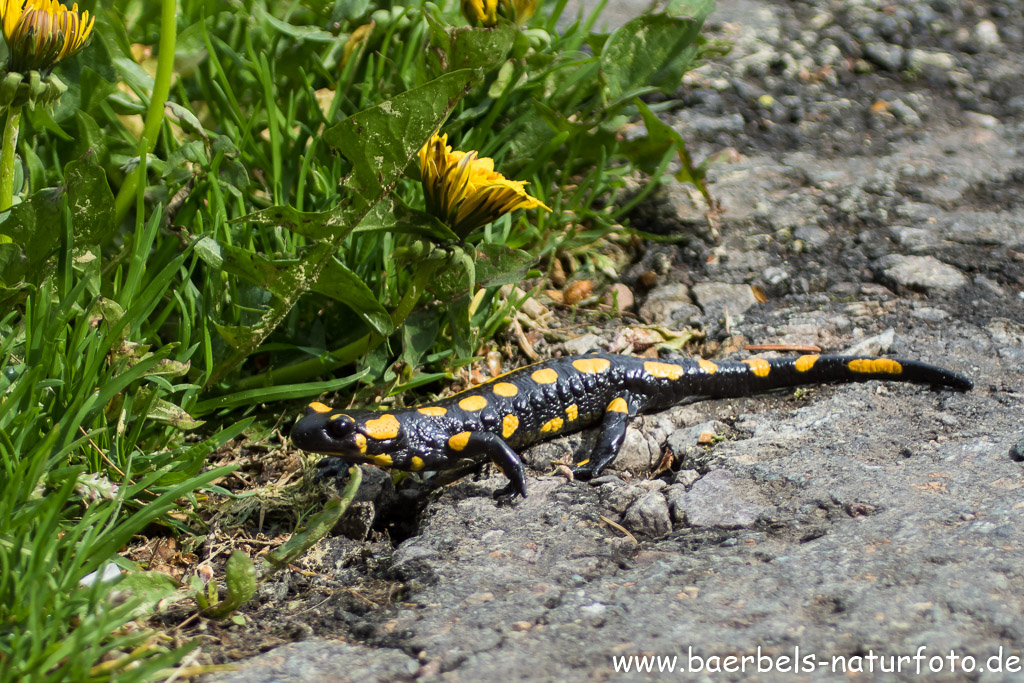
x=613, y=433
x=492, y=447
x=332, y=467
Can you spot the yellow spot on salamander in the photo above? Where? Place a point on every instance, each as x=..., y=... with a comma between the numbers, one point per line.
x=319, y=407
x=432, y=411
x=509, y=425
x=384, y=427
x=360, y=442
x=663, y=370
x=805, y=363
x=707, y=366
x=885, y=366
x=591, y=365
x=506, y=389
x=473, y=403
x=759, y=366
x=545, y=376
x=552, y=425
x=382, y=460
x=416, y=463
x=459, y=441
x=572, y=412
x=618, y=405
x=339, y=416
x=581, y=463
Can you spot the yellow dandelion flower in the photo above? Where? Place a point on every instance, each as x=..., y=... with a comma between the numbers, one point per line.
x=519, y=11
x=40, y=33
x=465, y=191
x=480, y=12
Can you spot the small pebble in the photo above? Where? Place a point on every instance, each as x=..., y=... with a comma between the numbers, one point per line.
x=987, y=34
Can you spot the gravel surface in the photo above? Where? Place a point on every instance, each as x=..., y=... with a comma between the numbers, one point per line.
x=872, y=191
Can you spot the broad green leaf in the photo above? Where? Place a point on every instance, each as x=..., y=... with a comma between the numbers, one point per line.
x=341, y=284
x=35, y=167
x=240, y=577
x=695, y=9
x=110, y=38
x=13, y=264
x=651, y=51
x=378, y=361
x=484, y=48
x=34, y=225
x=172, y=414
x=379, y=142
x=170, y=368
x=321, y=225
x=91, y=139
x=90, y=200
x=462, y=334
x=87, y=88
x=208, y=249
x=105, y=314
x=281, y=278
x=42, y=119
x=278, y=278
x=155, y=408
x=238, y=338
x=648, y=151
x=394, y=215
x=418, y=380
x=467, y=47
x=498, y=265
x=418, y=335
x=186, y=119
x=440, y=40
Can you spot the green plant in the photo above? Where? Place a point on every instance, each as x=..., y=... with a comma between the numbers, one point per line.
x=77, y=394
x=195, y=234
x=282, y=192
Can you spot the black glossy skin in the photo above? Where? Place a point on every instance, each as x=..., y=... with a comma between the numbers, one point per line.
x=561, y=396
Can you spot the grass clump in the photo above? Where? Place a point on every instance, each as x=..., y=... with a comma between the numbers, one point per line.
x=215, y=207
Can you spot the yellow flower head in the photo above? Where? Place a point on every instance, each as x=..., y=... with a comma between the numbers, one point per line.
x=40, y=33
x=465, y=191
x=519, y=11
x=480, y=12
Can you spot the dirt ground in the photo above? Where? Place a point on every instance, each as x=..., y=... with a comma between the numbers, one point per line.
x=872, y=192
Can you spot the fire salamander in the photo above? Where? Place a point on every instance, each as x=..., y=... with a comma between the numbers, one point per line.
x=520, y=408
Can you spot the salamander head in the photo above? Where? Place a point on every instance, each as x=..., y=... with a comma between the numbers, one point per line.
x=352, y=435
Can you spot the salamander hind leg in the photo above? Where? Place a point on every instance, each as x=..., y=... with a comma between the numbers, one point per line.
x=492, y=447
x=613, y=433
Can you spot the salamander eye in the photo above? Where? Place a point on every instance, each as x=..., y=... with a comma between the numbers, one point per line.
x=340, y=426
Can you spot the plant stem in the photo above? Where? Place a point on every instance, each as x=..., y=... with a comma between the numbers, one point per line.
x=155, y=113
x=300, y=372
x=10, y=143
